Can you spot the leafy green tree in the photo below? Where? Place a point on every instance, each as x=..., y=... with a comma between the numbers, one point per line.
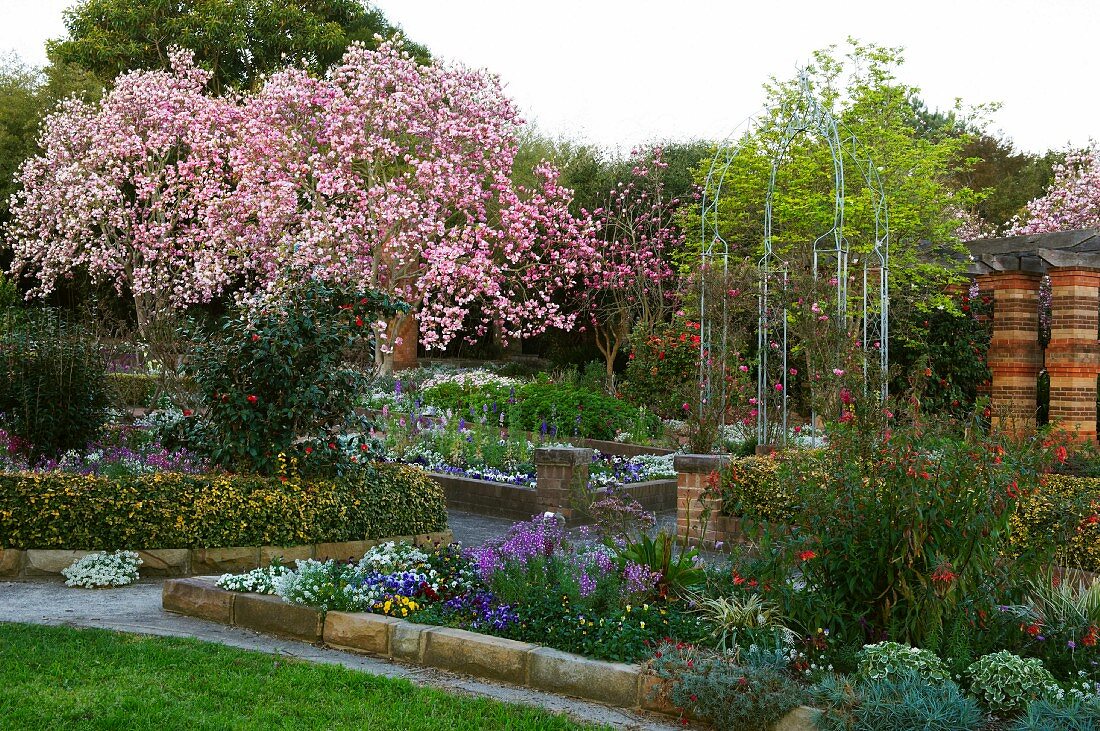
x=238, y=40
x=916, y=170
x=1003, y=178
x=27, y=95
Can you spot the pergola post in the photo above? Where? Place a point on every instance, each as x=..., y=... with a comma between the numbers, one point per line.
x=1015, y=357
x=1073, y=355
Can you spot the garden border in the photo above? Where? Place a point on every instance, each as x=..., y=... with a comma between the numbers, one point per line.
x=34, y=562
x=519, y=663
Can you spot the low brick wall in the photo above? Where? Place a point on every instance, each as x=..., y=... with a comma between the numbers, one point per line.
x=456, y=650
x=30, y=563
x=656, y=495
x=488, y=498
x=559, y=473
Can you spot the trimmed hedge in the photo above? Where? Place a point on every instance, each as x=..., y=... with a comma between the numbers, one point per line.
x=171, y=510
x=1041, y=520
x=751, y=488
x=131, y=389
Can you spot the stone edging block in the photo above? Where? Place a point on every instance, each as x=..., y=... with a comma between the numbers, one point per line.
x=11, y=561
x=359, y=631
x=497, y=658
x=272, y=615
x=475, y=654
x=562, y=672
x=198, y=598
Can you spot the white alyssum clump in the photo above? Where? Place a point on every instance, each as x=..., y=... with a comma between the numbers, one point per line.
x=257, y=581
x=103, y=569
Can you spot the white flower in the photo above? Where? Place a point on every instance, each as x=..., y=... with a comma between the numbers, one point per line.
x=103, y=569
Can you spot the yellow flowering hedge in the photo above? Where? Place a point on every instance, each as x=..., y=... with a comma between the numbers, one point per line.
x=131, y=389
x=751, y=487
x=1063, y=513
x=171, y=510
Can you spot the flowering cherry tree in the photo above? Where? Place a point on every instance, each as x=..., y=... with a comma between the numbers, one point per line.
x=1071, y=202
x=629, y=285
x=395, y=176
x=129, y=189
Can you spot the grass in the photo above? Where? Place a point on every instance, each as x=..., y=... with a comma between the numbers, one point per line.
x=61, y=678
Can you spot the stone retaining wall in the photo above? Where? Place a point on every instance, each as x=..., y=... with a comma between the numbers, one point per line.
x=16, y=563
x=460, y=651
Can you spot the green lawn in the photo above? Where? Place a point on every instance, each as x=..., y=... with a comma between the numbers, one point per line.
x=61, y=678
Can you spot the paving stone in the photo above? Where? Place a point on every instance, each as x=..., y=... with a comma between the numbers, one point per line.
x=198, y=598
x=233, y=560
x=360, y=631
x=48, y=562
x=479, y=655
x=561, y=672
x=11, y=561
x=165, y=562
x=271, y=614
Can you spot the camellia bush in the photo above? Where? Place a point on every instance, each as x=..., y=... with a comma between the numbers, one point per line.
x=273, y=374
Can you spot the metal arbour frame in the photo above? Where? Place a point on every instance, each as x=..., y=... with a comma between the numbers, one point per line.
x=804, y=114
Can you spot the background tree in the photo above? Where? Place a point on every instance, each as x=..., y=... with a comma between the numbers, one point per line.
x=238, y=41
x=396, y=176
x=127, y=190
x=1071, y=202
x=630, y=290
x=1002, y=178
x=27, y=95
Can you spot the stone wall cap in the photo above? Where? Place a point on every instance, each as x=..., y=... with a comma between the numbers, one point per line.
x=568, y=456
x=700, y=463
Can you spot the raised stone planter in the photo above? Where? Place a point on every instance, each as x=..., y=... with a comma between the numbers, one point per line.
x=520, y=663
x=272, y=615
x=198, y=598
x=35, y=562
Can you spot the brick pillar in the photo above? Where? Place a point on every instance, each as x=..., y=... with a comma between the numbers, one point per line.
x=561, y=479
x=404, y=354
x=1073, y=354
x=1015, y=357
x=985, y=284
x=692, y=474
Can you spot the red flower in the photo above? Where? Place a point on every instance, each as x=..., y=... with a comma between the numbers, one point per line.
x=309, y=450
x=944, y=575
x=1089, y=640
x=252, y=399
x=1061, y=454
x=331, y=445
x=255, y=337
x=806, y=555
x=187, y=412
x=359, y=322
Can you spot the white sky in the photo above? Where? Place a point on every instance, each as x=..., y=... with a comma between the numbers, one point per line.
x=619, y=72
